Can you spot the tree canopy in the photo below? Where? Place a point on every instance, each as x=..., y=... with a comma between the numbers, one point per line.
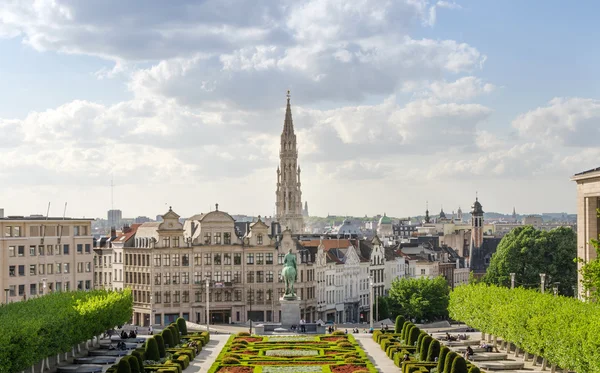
x=421, y=298
x=527, y=252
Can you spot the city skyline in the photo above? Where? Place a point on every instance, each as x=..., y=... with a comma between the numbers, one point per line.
x=394, y=104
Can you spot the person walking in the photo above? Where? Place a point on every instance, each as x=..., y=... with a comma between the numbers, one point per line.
x=302, y=326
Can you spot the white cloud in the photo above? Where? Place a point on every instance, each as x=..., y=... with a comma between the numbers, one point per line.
x=564, y=121
x=465, y=88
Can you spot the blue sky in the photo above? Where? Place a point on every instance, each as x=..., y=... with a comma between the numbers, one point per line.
x=389, y=101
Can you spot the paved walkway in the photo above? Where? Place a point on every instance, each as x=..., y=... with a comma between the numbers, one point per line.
x=209, y=353
x=381, y=361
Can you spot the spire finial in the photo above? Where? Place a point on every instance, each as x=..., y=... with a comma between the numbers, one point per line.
x=288, y=95
x=476, y=196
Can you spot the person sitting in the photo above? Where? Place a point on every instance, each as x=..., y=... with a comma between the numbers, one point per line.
x=121, y=345
x=469, y=352
x=123, y=334
x=406, y=357
x=447, y=336
x=132, y=334
x=346, y=331
x=385, y=327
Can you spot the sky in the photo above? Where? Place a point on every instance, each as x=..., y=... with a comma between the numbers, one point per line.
x=395, y=104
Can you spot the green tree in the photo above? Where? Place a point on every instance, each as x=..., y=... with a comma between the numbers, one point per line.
x=383, y=311
x=421, y=298
x=450, y=357
x=444, y=351
x=123, y=366
x=434, y=350
x=161, y=345
x=459, y=365
x=182, y=325
x=152, y=351
x=527, y=252
x=167, y=336
x=399, y=324
x=590, y=273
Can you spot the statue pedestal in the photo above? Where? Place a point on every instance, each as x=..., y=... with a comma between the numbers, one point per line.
x=290, y=312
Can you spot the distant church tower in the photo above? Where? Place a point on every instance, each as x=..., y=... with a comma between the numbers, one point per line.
x=289, y=194
x=475, y=259
x=427, y=218
x=305, y=211
x=459, y=213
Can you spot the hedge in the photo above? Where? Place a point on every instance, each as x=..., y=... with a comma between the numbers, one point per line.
x=182, y=325
x=425, y=343
x=449, y=360
x=123, y=366
x=167, y=336
x=560, y=329
x=399, y=324
x=434, y=350
x=459, y=365
x=52, y=324
x=152, y=350
x=413, y=335
x=442, y=358
x=162, y=350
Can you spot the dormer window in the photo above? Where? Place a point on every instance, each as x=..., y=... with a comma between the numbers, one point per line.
x=217, y=238
x=207, y=239
x=259, y=239
x=227, y=238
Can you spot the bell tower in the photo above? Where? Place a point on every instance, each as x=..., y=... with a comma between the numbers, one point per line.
x=289, y=194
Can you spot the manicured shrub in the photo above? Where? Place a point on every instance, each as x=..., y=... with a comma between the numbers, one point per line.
x=338, y=332
x=140, y=359
x=243, y=334
x=152, y=350
x=161, y=345
x=123, y=366
x=413, y=335
x=230, y=360
x=434, y=350
x=168, y=338
x=422, y=335
x=399, y=324
x=425, y=343
x=449, y=360
x=459, y=365
x=405, y=329
x=242, y=341
x=182, y=325
x=344, y=344
x=474, y=369
x=442, y=358
x=176, y=333
x=233, y=356
x=353, y=360
x=133, y=364
x=376, y=334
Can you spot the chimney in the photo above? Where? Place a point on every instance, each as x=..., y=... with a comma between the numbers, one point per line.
x=126, y=228
x=113, y=232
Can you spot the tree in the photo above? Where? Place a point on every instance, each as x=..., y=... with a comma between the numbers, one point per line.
x=383, y=310
x=182, y=325
x=399, y=324
x=459, y=365
x=167, y=336
x=434, y=350
x=152, y=351
x=421, y=298
x=527, y=252
x=444, y=351
x=161, y=345
x=123, y=366
x=590, y=273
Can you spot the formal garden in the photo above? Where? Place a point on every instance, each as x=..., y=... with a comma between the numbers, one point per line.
x=334, y=353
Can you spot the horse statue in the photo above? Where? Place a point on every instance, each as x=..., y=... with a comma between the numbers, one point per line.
x=289, y=273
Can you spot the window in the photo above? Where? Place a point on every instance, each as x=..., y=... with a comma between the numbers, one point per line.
x=217, y=258
x=66, y=249
x=207, y=259
x=16, y=231
x=21, y=251
x=88, y=284
x=197, y=259
x=269, y=295
x=42, y=269
x=21, y=290
x=198, y=296
x=176, y=260
x=260, y=258
x=32, y=250
x=207, y=239
x=32, y=269
x=176, y=278
x=80, y=267
x=237, y=277
x=227, y=276
x=167, y=297
x=237, y=295
x=157, y=277
x=21, y=270
x=11, y=271
x=58, y=268
x=218, y=276
x=167, y=242
x=269, y=276
x=185, y=278
x=11, y=251
x=237, y=259
x=186, y=297
x=166, y=260
x=157, y=260
x=7, y=231
x=177, y=296
x=280, y=258
x=175, y=241
x=227, y=259
x=167, y=277
x=250, y=258
x=185, y=260
x=227, y=296
x=56, y=249
x=218, y=296
x=269, y=258
x=250, y=277
x=197, y=278
x=88, y=267
x=50, y=268
x=260, y=276
x=227, y=238
x=422, y=271
x=217, y=238
x=259, y=239
x=41, y=250
x=32, y=289
x=12, y=290
x=79, y=248
x=66, y=268
x=88, y=248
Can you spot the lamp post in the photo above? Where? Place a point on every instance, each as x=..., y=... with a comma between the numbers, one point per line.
x=555, y=288
x=6, y=295
x=207, y=305
x=543, y=280
x=371, y=303
x=512, y=280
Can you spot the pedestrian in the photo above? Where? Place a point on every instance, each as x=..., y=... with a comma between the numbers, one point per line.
x=150, y=330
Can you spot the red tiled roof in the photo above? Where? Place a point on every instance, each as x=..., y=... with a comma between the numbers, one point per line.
x=126, y=236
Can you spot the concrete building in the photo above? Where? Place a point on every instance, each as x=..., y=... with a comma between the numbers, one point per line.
x=41, y=255
x=588, y=223
x=289, y=192
x=384, y=228
x=114, y=218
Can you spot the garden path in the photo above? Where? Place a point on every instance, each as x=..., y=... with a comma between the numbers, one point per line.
x=376, y=354
x=209, y=353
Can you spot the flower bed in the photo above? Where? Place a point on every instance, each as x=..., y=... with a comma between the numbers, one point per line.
x=283, y=354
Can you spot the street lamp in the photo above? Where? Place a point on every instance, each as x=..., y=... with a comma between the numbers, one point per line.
x=6, y=295
x=371, y=303
x=207, y=304
x=543, y=280
x=555, y=288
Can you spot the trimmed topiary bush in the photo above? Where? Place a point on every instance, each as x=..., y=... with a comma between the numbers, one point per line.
x=140, y=359
x=474, y=369
x=442, y=358
x=422, y=335
x=182, y=326
x=405, y=330
x=123, y=366
x=399, y=324
x=161, y=345
x=168, y=338
x=243, y=334
x=449, y=360
x=338, y=332
x=152, y=350
x=413, y=335
x=230, y=360
x=175, y=332
x=459, y=365
x=434, y=350
x=425, y=343
x=133, y=364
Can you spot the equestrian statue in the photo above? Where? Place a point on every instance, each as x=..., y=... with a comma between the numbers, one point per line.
x=289, y=274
